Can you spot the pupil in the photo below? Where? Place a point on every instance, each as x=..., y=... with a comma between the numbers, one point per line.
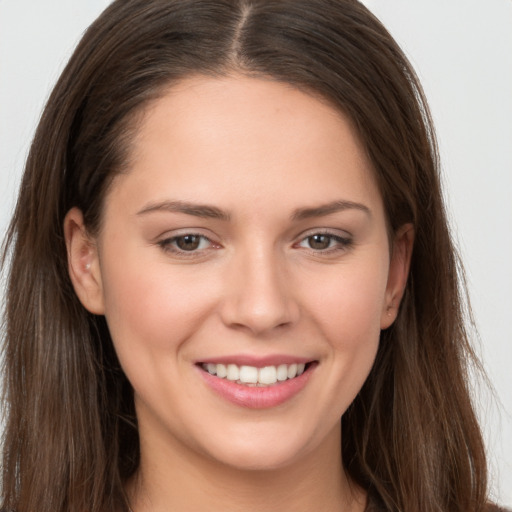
x=188, y=242
x=319, y=241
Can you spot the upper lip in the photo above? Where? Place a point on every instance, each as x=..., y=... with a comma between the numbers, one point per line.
x=256, y=361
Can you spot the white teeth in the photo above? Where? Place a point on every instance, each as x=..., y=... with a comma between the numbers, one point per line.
x=267, y=375
x=248, y=374
x=251, y=375
x=282, y=372
x=292, y=371
x=222, y=371
x=232, y=373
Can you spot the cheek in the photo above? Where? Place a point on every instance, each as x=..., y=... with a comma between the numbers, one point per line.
x=348, y=302
x=152, y=314
x=151, y=307
x=347, y=310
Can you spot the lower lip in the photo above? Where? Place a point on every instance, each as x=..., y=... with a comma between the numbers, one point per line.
x=254, y=397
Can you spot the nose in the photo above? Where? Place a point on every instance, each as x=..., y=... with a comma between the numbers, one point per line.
x=259, y=296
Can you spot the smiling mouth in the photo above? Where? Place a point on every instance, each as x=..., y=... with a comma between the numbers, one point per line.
x=256, y=377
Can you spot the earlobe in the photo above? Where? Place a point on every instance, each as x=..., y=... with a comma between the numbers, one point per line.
x=83, y=262
x=398, y=274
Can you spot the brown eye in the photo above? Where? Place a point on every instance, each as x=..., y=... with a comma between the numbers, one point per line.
x=188, y=242
x=326, y=243
x=319, y=242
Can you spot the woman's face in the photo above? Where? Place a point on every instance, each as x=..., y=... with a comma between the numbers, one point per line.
x=246, y=241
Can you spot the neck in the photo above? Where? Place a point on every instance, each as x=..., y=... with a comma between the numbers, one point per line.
x=178, y=479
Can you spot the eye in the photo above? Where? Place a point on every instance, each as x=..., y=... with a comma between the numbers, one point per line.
x=186, y=243
x=325, y=242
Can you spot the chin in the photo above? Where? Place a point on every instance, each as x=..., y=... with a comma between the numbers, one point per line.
x=260, y=450
x=256, y=459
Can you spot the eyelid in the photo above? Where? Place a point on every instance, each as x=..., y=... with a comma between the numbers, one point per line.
x=167, y=240
x=179, y=232
x=340, y=233
x=345, y=241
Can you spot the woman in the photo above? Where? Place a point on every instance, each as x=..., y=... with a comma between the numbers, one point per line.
x=231, y=270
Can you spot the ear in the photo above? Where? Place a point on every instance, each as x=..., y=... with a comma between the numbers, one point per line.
x=83, y=262
x=398, y=273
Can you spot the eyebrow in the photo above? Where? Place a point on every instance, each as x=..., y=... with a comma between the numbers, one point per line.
x=212, y=212
x=328, y=209
x=195, y=209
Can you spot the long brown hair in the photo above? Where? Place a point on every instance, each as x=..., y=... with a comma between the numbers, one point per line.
x=410, y=438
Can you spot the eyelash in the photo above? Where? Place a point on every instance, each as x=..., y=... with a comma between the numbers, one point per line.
x=341, y=244
x=169, y=245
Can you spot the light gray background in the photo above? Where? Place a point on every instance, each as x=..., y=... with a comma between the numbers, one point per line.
x=462, y=51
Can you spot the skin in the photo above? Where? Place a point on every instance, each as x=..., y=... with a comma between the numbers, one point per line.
x=256, y=284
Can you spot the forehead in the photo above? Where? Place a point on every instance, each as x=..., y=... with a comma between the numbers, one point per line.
x=247, y=137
